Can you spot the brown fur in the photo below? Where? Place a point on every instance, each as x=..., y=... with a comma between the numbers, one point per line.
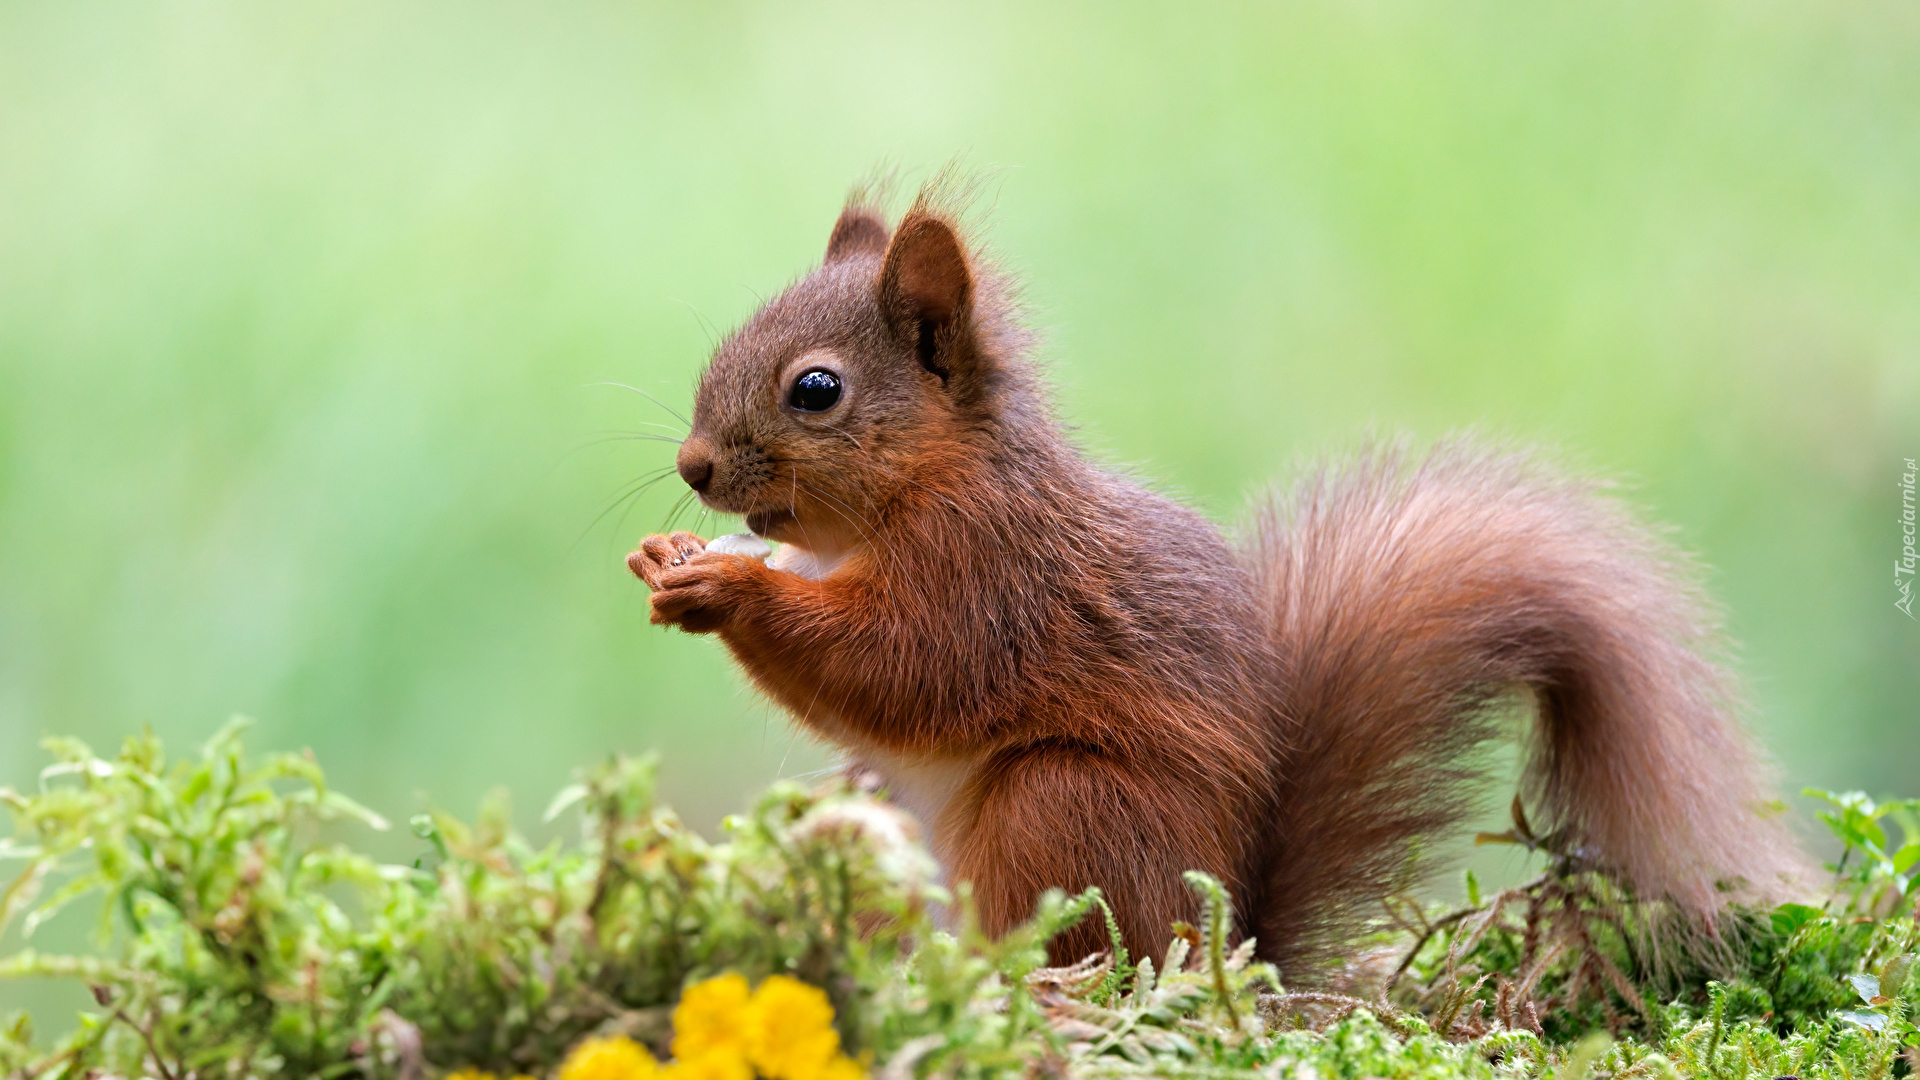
x=1076, y=681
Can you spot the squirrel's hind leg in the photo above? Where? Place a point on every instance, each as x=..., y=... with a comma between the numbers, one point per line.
x=1049, y=816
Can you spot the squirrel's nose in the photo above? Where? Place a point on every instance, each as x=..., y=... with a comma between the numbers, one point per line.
x=696, y=469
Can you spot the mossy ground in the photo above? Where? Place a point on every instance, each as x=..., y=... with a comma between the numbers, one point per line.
x=234, y=943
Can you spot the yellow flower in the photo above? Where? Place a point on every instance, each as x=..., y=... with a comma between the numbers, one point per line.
x=837, y=1067
x=712, y=1015
x=723, y=1031
x=841, y=1067
x=469, y=1074
x=791, y=1035
x=722, y=1063
x=616, y=1058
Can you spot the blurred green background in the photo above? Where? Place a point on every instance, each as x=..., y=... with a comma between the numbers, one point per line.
x=301, y=307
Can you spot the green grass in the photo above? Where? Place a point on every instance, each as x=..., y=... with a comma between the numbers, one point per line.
x=239, y=934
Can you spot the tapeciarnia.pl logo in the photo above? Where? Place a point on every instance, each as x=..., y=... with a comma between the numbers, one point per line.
x=1904, y=564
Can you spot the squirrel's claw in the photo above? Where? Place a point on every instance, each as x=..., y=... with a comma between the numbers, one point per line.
x=692, y=587
x=658, y=554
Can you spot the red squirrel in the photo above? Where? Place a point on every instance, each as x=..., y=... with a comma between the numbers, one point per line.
x=1072, y=680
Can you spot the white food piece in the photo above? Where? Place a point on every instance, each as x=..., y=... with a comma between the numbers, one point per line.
x=740, y=544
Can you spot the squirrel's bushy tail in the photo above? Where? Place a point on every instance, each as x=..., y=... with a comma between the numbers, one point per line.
x=1406, y=598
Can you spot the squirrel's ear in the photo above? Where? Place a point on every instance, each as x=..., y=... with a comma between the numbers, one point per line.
x=926, y=288
x=858, y=231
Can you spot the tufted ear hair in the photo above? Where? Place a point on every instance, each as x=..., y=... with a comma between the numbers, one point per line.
x=858, y=231
x=926, y=288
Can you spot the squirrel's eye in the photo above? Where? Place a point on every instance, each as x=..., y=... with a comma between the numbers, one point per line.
x=815, y=391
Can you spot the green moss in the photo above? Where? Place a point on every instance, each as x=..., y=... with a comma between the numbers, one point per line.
x=234, y=943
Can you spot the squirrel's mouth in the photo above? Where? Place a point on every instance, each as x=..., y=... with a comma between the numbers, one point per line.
x=764, y=522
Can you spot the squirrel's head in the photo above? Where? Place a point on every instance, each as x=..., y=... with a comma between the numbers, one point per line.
x=814, y=415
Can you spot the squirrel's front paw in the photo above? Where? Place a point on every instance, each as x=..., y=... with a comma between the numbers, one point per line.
x=657, y=554
x=693, y=588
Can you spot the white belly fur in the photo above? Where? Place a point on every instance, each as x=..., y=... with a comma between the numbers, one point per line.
x=923, y=788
